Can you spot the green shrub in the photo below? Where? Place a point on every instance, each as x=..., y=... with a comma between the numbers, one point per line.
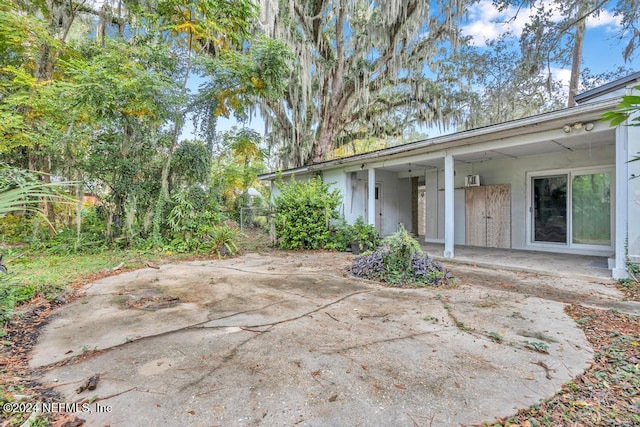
x=222, y=240
x=366, y=235
x=16, y=227
x=339, y=236
x=304, y=211
x=400, y=261
x=12, y=295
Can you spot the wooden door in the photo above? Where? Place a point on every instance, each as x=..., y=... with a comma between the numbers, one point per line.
x=476, y=216
x=488, y=216
x=498, y=209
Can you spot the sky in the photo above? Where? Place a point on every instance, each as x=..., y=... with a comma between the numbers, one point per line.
x=602, y=48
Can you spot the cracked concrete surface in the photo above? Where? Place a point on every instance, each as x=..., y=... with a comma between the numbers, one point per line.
x=288, y=339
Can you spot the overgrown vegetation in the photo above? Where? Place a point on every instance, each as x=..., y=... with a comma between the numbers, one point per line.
x=400, y=261
x=47, y=274
x=304, y=212
x=358, y=236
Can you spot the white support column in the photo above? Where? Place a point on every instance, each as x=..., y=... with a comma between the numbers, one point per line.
x=622, y=202
x=371, y=200
x=449, y=216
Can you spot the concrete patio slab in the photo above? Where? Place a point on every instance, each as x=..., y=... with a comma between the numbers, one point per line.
x=290, y=339
x=557, y=264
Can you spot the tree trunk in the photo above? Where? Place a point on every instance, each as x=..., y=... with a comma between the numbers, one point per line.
x=60, y=20
x=48, y=203
x=130, y=215
x=323, y=144
x=576, y=60
x=79, y=197
x=177, y=128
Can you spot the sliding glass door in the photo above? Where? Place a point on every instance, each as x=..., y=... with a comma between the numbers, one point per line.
x=572, y=208
x=550, y=209
x=591, y=209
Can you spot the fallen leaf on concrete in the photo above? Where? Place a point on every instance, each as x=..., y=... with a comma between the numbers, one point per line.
x=116, y=268
x=90, y=384
x=333, y=398
x=76, y=422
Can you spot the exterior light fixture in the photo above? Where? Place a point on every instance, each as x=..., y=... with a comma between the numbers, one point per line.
x=566, y=128
x=589, y=126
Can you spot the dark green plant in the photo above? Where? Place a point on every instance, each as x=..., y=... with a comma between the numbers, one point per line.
x=222, y=240
x=366, y=235
x=339, y=236
x=304, y=211
x=402, y=249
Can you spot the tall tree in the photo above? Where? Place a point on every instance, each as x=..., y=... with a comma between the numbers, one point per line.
x=98, y=89
x=555, y=33
x=505, y=87
x=363, y=67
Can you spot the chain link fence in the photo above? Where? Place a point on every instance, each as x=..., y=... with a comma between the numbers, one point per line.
x=252, y=217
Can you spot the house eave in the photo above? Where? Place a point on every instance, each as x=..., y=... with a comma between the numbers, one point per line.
x=606, y=88
x=528, y=125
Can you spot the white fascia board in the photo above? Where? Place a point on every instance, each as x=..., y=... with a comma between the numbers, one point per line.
x=517, y=132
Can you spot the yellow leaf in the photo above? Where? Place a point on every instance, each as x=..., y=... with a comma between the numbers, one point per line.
x=580, y=403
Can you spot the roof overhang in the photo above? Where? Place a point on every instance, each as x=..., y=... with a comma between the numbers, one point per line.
x=466, y=141
x=607, y=88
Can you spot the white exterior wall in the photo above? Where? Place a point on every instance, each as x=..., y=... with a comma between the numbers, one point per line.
x=434, y=194
x=513, y=172
x=633, y=201
x=396, y=196
x=336, y=178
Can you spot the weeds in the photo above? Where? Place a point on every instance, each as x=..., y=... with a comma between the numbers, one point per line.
x=495, y=337
x=540, y=347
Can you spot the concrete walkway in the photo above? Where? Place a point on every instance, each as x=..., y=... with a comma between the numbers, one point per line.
x=565, y=265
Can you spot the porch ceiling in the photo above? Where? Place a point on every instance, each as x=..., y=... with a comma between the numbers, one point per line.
x=584, y=141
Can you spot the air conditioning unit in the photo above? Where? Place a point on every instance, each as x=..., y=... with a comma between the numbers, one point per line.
x=472, y=181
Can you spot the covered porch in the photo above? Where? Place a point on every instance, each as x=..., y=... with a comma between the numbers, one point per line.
x=556, y=186
x=557, y=264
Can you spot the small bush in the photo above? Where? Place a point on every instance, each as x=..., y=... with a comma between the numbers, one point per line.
x=400, y=261
x=339, y=236
x=366, y=235
x=304, y=211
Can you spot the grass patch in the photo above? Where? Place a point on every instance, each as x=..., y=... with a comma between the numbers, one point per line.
x=38, y=274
